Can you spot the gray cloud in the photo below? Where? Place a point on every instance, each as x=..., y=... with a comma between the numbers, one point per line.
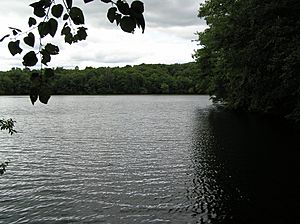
x=169, y=13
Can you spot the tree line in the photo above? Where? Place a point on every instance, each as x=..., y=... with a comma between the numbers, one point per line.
x=250, y=55
x=138, y=79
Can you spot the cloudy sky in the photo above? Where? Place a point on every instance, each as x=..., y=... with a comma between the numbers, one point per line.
x=170, y=29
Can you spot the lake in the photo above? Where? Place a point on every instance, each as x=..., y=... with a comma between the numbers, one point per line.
x=146, y=159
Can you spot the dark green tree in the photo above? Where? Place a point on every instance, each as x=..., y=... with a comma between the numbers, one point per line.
x=249, y=55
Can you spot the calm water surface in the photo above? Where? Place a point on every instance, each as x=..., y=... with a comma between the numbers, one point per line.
x=145, y=159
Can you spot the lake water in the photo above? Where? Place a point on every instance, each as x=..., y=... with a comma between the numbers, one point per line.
x=145, y=159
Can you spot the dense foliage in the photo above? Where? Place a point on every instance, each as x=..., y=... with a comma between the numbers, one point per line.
x=139, y=79
x=250, y=54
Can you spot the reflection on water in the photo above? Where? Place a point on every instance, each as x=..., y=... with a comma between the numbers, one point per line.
x=146, y=159
x=246, y=169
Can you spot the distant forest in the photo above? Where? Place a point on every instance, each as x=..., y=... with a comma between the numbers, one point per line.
x=139, y=79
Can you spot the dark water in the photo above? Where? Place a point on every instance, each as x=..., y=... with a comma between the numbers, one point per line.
x=146, y=159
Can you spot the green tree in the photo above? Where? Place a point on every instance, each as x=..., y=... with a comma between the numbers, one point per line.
x=249, y=55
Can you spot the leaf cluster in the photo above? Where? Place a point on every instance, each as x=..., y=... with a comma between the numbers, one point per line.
x=3, y=167
x=132, y=15
x=7, y=125
x=48, y=14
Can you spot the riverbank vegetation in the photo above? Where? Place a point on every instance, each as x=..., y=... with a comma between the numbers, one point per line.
x=139, y=79
x=250, y=55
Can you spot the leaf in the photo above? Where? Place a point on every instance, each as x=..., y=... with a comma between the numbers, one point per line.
x=86, y=1
x=118, y=18
x=30, y=59
x=123, y=7
x=30, y=39
x=44, y=94
x=46, y=3
x=128, y=24
x=66, y=16
x=77, y=16
x=38, y=9
x=57, y=10
x=106, y=1
x=137, y=6
x=31, y=21
x=2, y=39
x=82, y=33
x=69, y=3
x=111, y=14
x=14, y=47
x=52, y=49
x=34, y=93
x=52, y=26
x=66, y=30
x=46, y=57
x=69, y=38
x=139, y=18
x=43, y=29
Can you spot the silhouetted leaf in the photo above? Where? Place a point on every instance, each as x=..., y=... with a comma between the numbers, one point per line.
x=30, y=39
x=44, y=94
x=137, y=6
x=43, y=29
x=31, y=22
x=52, y=26
x=66, y=30
x=77, y=16
x=66, y=16
x=57, y=10
x=38, y=9
x=111, y=14
x=139, y=18
x=118, y=18
x=86, y=1
x=69, y=38
x=46, y=3
x=106, y=1
x=14, y=47
x=46, y=57
x=34, y=93
x=82, y=33
x=127, y=24
x=52, y=49
x=30, y=59
x=123, y=7
x=69, y=3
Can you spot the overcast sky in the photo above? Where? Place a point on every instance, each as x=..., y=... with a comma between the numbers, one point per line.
x=170, y=29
